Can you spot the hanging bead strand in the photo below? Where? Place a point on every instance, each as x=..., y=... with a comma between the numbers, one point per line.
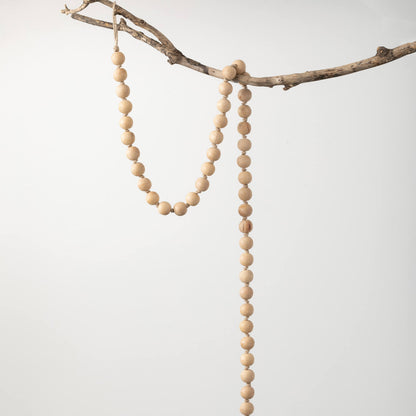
x=133, y=153
x=246, y=243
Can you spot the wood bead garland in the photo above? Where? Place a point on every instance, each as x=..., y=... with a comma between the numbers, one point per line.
x=125, y=106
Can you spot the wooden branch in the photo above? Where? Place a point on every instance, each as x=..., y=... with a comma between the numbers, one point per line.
x=175, y=56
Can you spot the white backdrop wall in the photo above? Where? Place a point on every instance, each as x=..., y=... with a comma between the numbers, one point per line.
x=107, y=308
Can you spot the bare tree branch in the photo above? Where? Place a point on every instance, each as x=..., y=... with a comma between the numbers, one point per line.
x=175, y=56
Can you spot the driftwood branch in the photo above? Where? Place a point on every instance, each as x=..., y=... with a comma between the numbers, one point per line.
x=161, y=43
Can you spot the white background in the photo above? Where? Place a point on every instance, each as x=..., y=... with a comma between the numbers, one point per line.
x=108, y=308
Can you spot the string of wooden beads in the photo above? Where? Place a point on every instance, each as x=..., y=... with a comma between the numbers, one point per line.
x=133, y=153
x=246, y=243
x=230, y=72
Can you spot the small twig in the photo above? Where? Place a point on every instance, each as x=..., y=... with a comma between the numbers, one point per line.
x=175, y=56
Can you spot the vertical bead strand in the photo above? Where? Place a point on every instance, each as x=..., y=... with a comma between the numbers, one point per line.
x=246, y=243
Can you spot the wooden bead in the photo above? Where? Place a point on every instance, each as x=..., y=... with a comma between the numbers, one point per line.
x=216, y=137
x=244, y=144
x=118, y=58
x=246, y=326
x=244, y=177
x=244, y=127
x=213, y=154
x=225, y=88
x=247, y=392
x=201, y=184
x=244, y=111
x=137, y=169
x=246, y=259
x=126, y=122
x=246, y=309
x=133, y=153
x=152, y=198
x=120, y=75
x=127, y=138
x=164, y=208
x=246, y=243
x=180, y=208
x=246, y=408
x=246, y=226
x=247, y=359
x=122, y=90
x=245, y=210
x=245, y=194
x=192, y=198
x=223, y=105
x=240, y=66
x=246, y=292
x=244, y=95
x=229, y=72
x=247, y=376
x=220, y=121
x=243, y=161
x=125, y=106
x=144, y=184
x=208, y=168
x=246, y=276
x=247, y=343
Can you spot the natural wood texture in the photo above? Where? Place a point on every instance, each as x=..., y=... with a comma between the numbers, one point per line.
x=175, y=56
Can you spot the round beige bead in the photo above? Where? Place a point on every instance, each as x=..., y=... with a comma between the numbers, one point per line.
x=122, y=90
x=223, y=105
x=125, y=106
x=118, y=58
x=208, y=168
x=244, y=111
x=127, y=138
x=243, y=161
x=244, y=144
x=246, y=408
x=137, y=169
x=244, y=95
x=247, y=359
x=126, y=122
x=246, y=309
x=245, y=194
x=164, y=208
x=246, y=292
x=244, y=177
x=213, y=154
x=246, y=226
x=180, y=208
x=192, y=198
x=120, y=74
x=152, y=198
x=246, y=243
x=246, y=259
x=244, y=127
x=133, y=153
x=247, y=376
x=246, y=326
x=220, y=121
x=144, y=184
x=240, y=66
x=246, y=276
x=245, y=210
x=229, y=72
x=247, y=343
x=247, y=392
x=202, y=184
x=225, y=88
x=216, y=137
